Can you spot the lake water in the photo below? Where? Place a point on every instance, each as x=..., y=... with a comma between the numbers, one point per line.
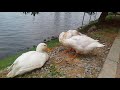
x=19, y=31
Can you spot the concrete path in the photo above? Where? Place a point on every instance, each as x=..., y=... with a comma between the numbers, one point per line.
x=111, y=67
x=118, y=69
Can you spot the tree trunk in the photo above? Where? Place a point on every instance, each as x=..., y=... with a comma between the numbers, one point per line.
x=102, y=17
x=83, y=18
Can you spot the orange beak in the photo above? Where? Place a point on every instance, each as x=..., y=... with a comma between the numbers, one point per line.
x=48, y=49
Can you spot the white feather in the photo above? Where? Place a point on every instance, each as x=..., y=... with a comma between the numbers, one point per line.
x=29, y=61
x=80, y=42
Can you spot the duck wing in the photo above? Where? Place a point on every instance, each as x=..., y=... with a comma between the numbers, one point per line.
x=28, y=63
x=83, y=40
x=20, y=59
x=61, y=36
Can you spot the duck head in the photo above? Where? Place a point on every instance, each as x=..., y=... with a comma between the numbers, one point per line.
x=42, y=47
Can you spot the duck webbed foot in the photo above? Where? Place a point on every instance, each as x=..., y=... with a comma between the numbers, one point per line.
x=68, y=50
x=73, y=56
x=72, y=50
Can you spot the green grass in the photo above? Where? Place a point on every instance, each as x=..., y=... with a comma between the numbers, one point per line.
x=5, y=62
x=111, y=30
x=113, y=17
x=53, y=43
x=86, y=27
x=105, y=34
x=54, y=72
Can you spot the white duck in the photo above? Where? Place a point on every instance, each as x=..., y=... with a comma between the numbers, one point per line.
x=74, y=32
x=61, y=37
x=81, y=43
x=68, y=34
x=29, y=61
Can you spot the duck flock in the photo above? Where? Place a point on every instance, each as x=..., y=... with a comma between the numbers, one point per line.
x=74, y=40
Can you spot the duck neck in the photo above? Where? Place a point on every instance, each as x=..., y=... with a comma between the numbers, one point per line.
x=39, y=49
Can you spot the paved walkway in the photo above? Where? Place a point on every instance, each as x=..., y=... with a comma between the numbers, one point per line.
x=111, y=67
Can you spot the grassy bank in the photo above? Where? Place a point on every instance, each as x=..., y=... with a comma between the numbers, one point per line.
x=10, y=59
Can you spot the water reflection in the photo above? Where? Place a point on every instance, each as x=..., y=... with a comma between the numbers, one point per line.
x=67, y=20
x=56, y=21
x=56, y=17
x=32, y=13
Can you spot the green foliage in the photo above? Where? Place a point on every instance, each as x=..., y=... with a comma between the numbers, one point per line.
x=32, y=13
x=85, y=28
x=54, y=72
x=113, y=17
x=8, y=61
x=53, y=43
x=90, y=13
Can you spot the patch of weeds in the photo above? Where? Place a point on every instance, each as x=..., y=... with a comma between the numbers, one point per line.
x=54, y=72
x=97, y=35
x=85, y=28
x=53, y=43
